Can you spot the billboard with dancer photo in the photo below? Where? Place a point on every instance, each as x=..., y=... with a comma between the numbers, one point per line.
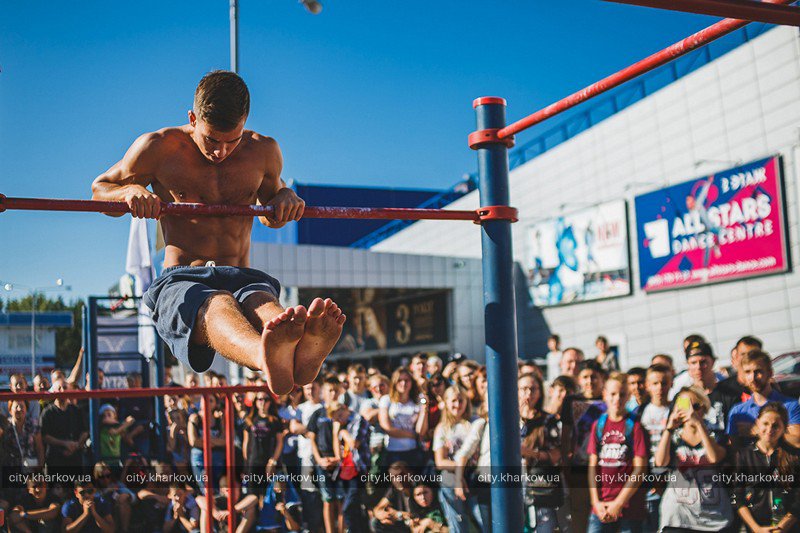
x=725, y=226
x=580, y=256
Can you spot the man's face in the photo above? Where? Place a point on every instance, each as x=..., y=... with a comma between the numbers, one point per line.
x=528, y=392
x=756, y=376
x=433, y=366
x=330, y=393
x=378, y=388
x=85, y=493
x=657, y=385
x=739, y=352
x=569, y=363
x=591, y=383
x=18, y=384
x=215, y=145
x=357, y=380
x=614, y=395
x=311, y=392
x=417, y=366
x=465, y=376
x=635, y=385
x=700, y=366
x=177, y=495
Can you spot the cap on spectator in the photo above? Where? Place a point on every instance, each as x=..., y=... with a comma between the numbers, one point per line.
x=458, y=356
x=106, y=407
x=699, y=348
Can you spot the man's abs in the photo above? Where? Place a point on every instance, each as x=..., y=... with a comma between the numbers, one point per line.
x=194, y=242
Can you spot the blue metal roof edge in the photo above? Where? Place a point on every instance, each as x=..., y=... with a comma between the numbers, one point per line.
x=44, y=318
x=603, y=107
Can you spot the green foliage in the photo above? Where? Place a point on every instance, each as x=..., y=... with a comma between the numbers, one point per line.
x=68, y=340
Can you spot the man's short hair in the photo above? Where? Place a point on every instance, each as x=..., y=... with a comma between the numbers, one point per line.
x=358, y=368
x=749, y=340
x=663, y=356
x=658, y=369
x=222, y=99
x=619, y=377
x=637, y=371
x=567, y=383
x=573, y=349
x=332, y=379
x=757, y=356
x=594, y=366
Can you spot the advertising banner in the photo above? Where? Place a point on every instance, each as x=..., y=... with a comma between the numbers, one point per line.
x=721, y=227
x=579, y=257
x=382, y=319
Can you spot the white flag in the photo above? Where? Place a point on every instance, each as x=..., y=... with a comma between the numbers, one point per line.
x=139, y=264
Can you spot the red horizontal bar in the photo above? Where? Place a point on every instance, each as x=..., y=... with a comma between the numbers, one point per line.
x=130, y=393
x=372, y=213
x=737, y=9
x=663, y=57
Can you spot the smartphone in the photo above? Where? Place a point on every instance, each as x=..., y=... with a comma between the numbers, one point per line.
x=683, y=404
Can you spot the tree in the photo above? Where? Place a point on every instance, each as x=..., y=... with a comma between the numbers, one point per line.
x=68, y=340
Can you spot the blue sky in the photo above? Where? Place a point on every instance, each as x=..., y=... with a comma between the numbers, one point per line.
x=366, y=93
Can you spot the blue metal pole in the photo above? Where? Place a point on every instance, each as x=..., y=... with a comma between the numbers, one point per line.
x=91, y=366
x=161, y=434
x=500, y=322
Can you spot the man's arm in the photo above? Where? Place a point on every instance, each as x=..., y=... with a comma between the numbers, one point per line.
x=274, y=192
x=128, y=179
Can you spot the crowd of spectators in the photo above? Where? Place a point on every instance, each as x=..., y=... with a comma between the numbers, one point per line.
x=407, y=449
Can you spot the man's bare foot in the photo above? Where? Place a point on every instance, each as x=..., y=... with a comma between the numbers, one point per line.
x=323, y=329
x=279, y=340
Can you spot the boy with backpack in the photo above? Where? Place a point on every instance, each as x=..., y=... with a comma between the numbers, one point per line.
x=617, y=464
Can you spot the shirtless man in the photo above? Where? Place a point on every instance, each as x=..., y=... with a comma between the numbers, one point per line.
x=207, y=300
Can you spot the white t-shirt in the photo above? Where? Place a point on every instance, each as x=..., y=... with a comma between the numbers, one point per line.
x=451, y=439
x=305, y=409
x=654, y=420
x=553, y=366
x=403, y=416
x=685, y=380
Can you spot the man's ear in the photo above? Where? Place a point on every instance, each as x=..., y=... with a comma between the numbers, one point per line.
x=192, y=118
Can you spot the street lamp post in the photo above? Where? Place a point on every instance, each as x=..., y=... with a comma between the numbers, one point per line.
x=33, y=292
x=313, y=6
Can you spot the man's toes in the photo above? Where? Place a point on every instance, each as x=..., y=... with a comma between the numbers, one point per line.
x=300, y=314
x=341, y=319
x=317, y=308
x=335, y=313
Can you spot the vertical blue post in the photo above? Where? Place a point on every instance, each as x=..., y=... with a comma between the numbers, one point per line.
x=499, y=319
x=161, y=434
x=91, y=367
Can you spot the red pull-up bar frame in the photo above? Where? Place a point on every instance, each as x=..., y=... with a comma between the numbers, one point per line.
x=647, y=64
x=752, y=10
x=186, y=209
x=230, y=453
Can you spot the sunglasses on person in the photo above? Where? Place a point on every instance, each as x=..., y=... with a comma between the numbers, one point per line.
x=104, y=475
x=85, y=491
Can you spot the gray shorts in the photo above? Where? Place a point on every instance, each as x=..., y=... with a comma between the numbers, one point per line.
x=177, y=294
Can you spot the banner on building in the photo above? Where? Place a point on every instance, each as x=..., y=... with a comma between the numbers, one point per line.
x=579, y=257
x=721, y=227
x=384, y=319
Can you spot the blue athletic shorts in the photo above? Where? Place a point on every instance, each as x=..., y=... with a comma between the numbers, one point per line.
x=177, y=294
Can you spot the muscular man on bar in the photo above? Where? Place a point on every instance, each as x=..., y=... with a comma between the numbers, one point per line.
x=207, y=300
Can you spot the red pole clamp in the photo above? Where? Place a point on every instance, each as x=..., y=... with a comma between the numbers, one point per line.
x=2, y=202
x=489, y=136
x=497, y=212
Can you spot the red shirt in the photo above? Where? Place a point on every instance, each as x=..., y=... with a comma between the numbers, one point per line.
x=615, y=463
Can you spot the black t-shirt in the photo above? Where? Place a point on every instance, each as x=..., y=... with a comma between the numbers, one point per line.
x=322, y=427
x=725, y=395
x=398, y=500
x=66, y=424
x=263, y=437
x=29, y=503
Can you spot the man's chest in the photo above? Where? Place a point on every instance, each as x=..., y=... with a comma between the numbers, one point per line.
x=188, y=180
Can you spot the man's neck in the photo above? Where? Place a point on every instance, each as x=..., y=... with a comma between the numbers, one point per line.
x=61, y=404
x=615, y=416
x=760, y=398
x=708, y=382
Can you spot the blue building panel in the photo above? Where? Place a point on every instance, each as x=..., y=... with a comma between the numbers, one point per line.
x=45, y=318
x=339, y=232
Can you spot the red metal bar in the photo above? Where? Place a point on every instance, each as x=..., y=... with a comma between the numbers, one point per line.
x=666, y=55
x=735, y=9
x=208, y=463
x=129, y=393
x=230, y=460
x=372, y=213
